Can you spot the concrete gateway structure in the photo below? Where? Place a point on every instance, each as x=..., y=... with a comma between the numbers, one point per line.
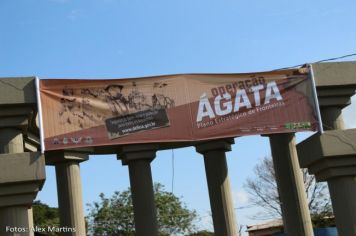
x=331, y=156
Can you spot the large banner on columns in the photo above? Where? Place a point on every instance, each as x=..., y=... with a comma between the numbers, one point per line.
x=175, y=108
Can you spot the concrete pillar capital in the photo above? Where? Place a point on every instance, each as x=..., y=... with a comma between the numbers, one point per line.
x=329, y=155
x=334, y=75
x=17, y=116
x=336, y=85
x=335, y=96
x=18, y=109
x=63, y=156
x=18, y=90
x=17, y=102
x=213, y=145
x=20, y=189
x=129, y=153
x=332, y=100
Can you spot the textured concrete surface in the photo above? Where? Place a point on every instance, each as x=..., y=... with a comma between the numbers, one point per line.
x=69, y=188
x=70, y=199
x=331, y=156
x=17, y=90
x=222, y=207
x=335, y=74
x=138, y=159
x=294, y=202
x=21, y=176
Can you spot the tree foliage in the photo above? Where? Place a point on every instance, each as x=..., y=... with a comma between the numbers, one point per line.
x=202, y=233
x=114, y=215
x=264, y=194
x=45, y=216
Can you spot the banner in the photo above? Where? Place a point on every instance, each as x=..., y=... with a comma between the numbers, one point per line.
x=174, y=108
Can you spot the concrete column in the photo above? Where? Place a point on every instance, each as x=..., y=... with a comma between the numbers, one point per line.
x=16, y=221
x=331, y=156
x=11, y=141
x=22, y=174
x=69, y=190
x=342, y=189
x=343, y=194
x=138, y=159
x=332, y=118
x=221, y=203
x=294, y=205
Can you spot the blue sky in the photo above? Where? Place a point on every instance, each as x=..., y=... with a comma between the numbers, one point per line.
x=122, y=38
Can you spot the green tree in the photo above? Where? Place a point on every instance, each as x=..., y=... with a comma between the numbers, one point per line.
x=114, y=215
x=45, y=216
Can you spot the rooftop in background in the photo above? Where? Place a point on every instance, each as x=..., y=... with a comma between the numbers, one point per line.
x=267, y=228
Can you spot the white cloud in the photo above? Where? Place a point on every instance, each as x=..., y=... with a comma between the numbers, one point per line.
x=240, y=197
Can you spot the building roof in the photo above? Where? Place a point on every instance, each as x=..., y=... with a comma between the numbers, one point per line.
x=265, y=225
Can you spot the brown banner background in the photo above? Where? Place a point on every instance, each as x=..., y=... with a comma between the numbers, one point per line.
x=74, y=111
